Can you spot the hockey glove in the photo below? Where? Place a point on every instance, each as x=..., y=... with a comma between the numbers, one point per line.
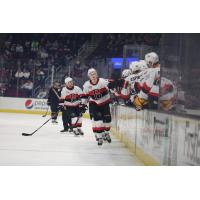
x=61, y=108
x=139, y=102
x=83, y=108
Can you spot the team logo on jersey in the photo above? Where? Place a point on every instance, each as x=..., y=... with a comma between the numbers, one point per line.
x=29, y=104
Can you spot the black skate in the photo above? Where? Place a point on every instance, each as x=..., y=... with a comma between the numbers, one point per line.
x=80, y=131
x=100, y=141
x=71, y=131
x=54, y=121
x=64, y=131
x=76, y=132
x=108, y=138
x=104, y=136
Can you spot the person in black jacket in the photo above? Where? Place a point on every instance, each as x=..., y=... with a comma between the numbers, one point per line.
x=53, y=100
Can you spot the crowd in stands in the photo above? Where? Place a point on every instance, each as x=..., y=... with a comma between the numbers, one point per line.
x=27, y=58
x=113, y=43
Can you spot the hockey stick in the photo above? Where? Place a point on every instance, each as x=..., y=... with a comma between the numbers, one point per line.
x=56, y=93
x=30, y=134
x=46, y=112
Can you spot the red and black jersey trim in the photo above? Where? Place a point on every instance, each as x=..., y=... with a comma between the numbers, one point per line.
x=61, y=100
x=103, y=103
x=125, y=97
x=146, y=88
x=125, y=84
x=137, y=87
x=84, y=96
x=72, y=97
x=94, y=93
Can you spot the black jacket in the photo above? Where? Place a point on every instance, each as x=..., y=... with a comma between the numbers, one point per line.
x=52, y=97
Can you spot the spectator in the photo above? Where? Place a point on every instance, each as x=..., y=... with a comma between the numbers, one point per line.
x=34, y=45
x=42, y=94
x=40, y=77
x=19, y=48
x=27, y=86
x=38, y=63
x=43, y=53
x=26, y=73
x=19, y=74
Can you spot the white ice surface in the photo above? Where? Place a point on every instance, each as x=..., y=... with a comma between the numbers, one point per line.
x=49, y=147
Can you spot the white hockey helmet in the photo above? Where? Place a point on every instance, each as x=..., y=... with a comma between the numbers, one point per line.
x=91, y=70
x=151, y=58
x=68, y=79
x=143, y=65
x=126, y=73
x=134, y=67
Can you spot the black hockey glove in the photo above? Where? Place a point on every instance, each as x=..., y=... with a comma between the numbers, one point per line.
x=61, y=108
x=48, y=103
x=83, y=108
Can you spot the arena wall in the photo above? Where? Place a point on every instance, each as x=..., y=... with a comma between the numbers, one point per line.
x=23, y=105
x=158, y=138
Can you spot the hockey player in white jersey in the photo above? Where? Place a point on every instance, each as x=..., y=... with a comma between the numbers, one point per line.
x=132, y=83
x=168, y=95
x=150, y=87
x=96, y=91
x=71, y=99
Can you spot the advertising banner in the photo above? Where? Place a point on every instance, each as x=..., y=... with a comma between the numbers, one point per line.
x=167, y=139
x=22, y=104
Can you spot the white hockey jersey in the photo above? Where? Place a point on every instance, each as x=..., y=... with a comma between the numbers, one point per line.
x=97, y=93
x=150, y=85
x=168, y=94
x=71, y=97
x=133, y=84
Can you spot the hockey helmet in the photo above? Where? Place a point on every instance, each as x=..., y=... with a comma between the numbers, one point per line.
x=143, y=65
x=91, y=70
x=135, y=67
x=68, y=79
x=151, y=59
x=126, y=73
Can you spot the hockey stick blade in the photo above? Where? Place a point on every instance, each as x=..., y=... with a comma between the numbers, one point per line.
x=27, y=134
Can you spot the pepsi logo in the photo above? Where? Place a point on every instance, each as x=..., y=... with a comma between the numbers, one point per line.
x=29, y=104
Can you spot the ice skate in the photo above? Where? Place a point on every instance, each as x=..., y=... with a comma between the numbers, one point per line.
x=76, y=132
x=100, y=141
x=70, y=131
x=54, y=121
x=80, y=131
x=64, y=131
x=107, y=137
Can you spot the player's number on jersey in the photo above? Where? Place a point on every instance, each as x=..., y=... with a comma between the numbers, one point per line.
x=97, y=94
x=73, y=97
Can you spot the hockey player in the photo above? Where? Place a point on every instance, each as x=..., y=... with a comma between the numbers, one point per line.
x=96, y=90
x=150, y=86
x=71, y=99
x=132, y=83
x=53, y=100
x=168, y=94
